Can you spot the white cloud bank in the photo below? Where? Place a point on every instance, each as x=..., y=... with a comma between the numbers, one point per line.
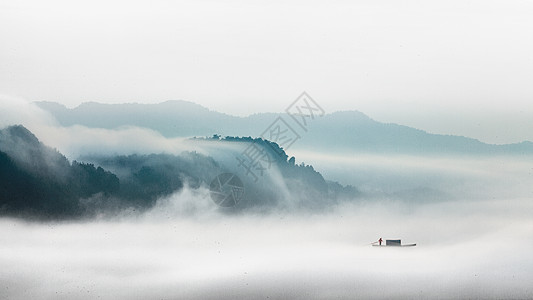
x=468, y=250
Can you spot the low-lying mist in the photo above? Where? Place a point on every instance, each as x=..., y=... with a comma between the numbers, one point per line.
x=428, y=178
x=465, y=250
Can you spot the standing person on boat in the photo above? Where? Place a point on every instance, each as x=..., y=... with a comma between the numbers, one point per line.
x=380, y=240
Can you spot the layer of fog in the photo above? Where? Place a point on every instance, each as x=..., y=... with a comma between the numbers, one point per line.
x=464, y=250
x=449, y=177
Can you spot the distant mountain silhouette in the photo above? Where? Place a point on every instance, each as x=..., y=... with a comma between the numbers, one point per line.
x=348, y=131
x=354, y=130
x=171, y=118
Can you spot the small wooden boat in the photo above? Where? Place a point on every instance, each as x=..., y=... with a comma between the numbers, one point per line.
x=393, y=243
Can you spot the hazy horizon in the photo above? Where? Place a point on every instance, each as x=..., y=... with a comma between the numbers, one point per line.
x=125, y=204
x=447, y=67
x=458, y=123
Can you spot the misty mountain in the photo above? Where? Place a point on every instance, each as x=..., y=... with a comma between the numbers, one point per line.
x=348, y=131
x=283, y=184
x=39, y=181
x=36, y=180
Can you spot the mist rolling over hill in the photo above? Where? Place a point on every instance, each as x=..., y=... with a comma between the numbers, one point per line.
x=146, y=150
x=38, y=181
x=348, y=131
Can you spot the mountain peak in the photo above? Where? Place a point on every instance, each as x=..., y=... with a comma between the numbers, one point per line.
x=17, y=133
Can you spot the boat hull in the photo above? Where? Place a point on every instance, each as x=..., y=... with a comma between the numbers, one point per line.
x=406, y=245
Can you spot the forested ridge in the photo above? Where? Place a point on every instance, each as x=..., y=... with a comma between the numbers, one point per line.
x=38, y=181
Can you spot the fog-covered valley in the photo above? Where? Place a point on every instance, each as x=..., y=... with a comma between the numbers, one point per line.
x=303, y=230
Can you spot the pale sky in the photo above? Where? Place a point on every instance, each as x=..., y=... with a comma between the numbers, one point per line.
x=454, y=67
